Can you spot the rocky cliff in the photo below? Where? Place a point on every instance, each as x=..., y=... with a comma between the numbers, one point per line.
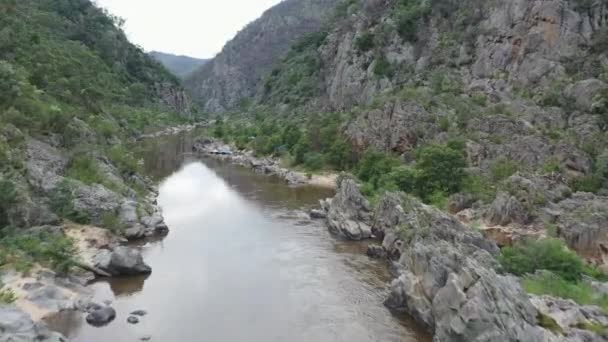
x=230, y=78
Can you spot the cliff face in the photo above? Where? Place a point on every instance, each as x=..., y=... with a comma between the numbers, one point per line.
x=493, y=47
x=231, y=76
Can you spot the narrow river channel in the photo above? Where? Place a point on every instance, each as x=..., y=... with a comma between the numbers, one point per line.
x=243, y=263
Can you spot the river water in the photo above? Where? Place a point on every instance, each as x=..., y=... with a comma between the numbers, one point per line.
x=243, y=263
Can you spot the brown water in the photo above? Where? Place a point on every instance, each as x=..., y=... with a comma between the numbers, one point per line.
x=243, y=263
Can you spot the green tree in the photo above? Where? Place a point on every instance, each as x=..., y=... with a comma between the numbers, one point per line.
x=440, y=169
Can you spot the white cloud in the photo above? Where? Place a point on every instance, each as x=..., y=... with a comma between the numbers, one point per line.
x=187, y=27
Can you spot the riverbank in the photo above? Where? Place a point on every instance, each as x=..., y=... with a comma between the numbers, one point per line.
x=267, y=166
x=447, y=275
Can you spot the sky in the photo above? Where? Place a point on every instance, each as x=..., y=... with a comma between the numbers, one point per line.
x=185, y=27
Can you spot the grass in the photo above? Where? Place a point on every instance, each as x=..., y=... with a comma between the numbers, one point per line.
x=551, y=284
x=49, y=249
x=548, y=323
x=7, y=296
x=596, y=328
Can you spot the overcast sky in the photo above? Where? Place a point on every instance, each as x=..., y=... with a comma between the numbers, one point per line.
x=185, y=27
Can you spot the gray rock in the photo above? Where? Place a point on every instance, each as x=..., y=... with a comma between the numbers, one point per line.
x=17, y=326
x=44, y=165
x=376, y=252
x=447, y=279
x=140, y=313
x=349, y=212
x=135, y=232
x=133, y=320
x=121, y=261
x=504, y=210
x=100, y=316
x=581, y=221
x=584, y=92
x=318, y=214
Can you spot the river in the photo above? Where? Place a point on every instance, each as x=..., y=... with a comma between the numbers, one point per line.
x=243, y=263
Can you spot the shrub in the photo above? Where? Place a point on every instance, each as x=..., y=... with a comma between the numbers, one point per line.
x=50, y=249
x=62, y=204
x=502, y=169
x=382, y=67
x=440, y=169
x=8, y=197
x=365, y=42
x=374, y=165
x=547, y=254
x=313, y=161
x=548, y=283
x=84, y=168
x=124, y=160
x=7, y=296
x=591, y=183
x=110, y=220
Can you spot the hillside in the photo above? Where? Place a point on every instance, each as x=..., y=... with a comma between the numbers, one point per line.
x=180, y=66
x=492, y=111
x=229, y=79
x=74, y=94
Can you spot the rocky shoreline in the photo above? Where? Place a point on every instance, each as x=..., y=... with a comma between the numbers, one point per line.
x=446, y=273
x=266, y=166
x=100, y=252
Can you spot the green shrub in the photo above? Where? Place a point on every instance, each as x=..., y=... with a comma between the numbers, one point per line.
x=110, y=220
x=373, y=165
x=548, y=283
x=502, y=169
x=313, y=161
x=8, y=198
x=407, y=14
x=365, y=42
x=382, y=67
x=49, y=249
x=548, y=323
x=85, y=169
x=62, y=204
x=547, y=254
x=591, y=183
x=441, y=169
x=7, y=296
x=124, y=160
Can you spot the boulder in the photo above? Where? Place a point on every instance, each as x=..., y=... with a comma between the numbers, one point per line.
x=17, y=326
x=376, y=252
x=349, y=212
x=584, y=92
x=101, y=315
x=504, y=210
x=317, y=214
x=121, y=261
x=132, y=320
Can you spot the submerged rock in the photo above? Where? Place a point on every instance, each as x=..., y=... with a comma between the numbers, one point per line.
x=132, y=320
x=101, y=315
x=17, y=326
x=349, y=212
x=140, y=313
x=122, y=261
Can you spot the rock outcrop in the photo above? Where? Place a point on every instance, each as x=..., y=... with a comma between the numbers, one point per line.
x=446, y=272
x=349, y=213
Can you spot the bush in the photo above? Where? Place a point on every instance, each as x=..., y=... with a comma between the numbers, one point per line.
x=502, y=169
x=62, y=204
x=547, y=254
x=124, y=160
x=382, y=67
x=49, y=249
x=374, y=165
x=313, y=161
x=365, y=42
x=441, y=169
x=7, y=296
x=84, y=168
x=548, y=283
x=8, y=197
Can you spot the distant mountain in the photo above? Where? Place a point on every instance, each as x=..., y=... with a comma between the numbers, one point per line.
x=232, y=75
x=180, y=66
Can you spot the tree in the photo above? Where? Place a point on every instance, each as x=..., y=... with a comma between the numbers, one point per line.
x=440, y=169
